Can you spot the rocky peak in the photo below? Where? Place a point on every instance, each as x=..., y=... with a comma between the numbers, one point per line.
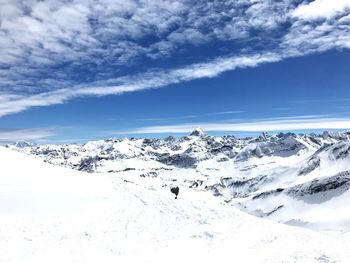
x=22, y=144
x=198, y=132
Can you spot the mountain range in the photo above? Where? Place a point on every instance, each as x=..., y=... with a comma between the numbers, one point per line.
x=297, y=179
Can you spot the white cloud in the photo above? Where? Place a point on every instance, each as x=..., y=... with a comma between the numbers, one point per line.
x=46, y=45
x=13, y=135
x=321, y=9
x=279, y=124
x=15, y=103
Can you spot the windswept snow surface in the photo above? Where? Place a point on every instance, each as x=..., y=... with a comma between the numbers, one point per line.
x=54, y=214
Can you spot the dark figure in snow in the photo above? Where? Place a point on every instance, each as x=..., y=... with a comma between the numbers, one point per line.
x=175, y=191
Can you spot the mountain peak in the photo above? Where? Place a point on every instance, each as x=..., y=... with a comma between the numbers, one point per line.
x=198, y=132
x=22, y=144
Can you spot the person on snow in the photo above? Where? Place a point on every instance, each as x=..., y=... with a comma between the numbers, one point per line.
x=175, y=190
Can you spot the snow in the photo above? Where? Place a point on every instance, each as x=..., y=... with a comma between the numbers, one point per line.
x=331, y=214
x=54, y=214
x=234, y=170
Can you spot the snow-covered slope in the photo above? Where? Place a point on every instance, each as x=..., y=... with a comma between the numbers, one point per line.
x=54, y=214
x=258, y=175
x=318, y=195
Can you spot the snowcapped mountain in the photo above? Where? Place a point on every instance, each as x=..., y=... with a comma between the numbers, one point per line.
x=283, y=177
x=52, y=213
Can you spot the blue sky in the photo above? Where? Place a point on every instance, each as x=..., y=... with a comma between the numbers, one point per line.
x=80, y=70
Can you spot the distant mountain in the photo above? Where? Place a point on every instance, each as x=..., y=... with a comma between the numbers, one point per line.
x=282, y=176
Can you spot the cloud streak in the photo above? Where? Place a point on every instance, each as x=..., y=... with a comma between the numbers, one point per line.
x=14, y=135
x=16, y=103
x=193, y=116
x=277, y=124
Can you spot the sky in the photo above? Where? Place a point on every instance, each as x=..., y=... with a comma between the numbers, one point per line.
x=78, y=70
